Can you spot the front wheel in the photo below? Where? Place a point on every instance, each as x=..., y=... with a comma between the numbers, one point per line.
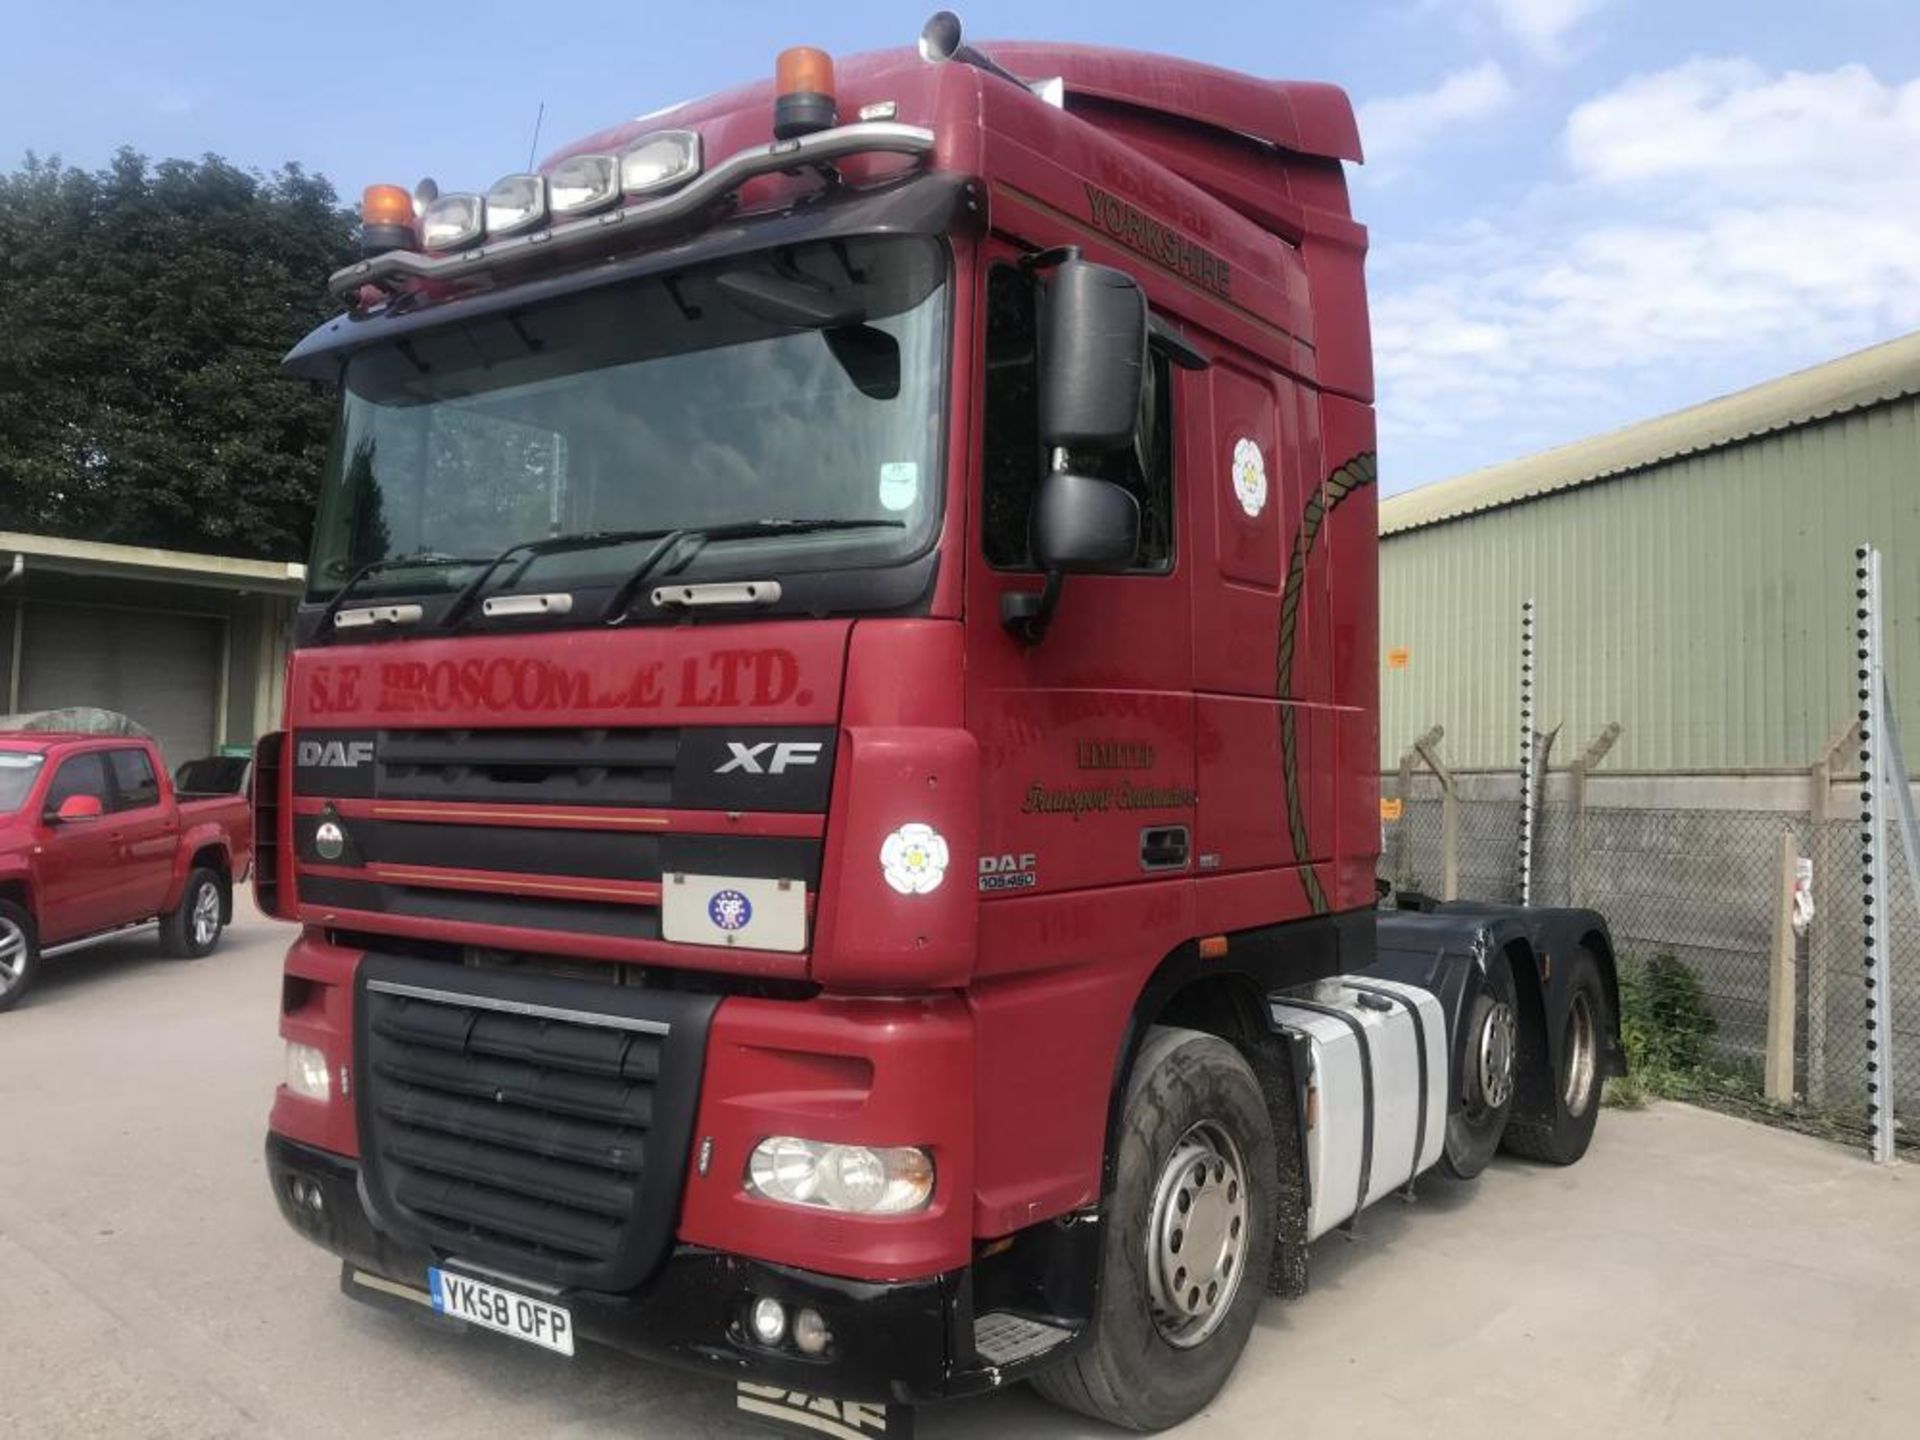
x=19, y=954
x=1189, y=1231
x=192, y=928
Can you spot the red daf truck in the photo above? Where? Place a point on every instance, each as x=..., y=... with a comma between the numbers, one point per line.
x=829, y=780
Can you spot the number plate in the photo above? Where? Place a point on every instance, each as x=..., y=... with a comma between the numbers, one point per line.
x=754, y=914
x=486, y=1304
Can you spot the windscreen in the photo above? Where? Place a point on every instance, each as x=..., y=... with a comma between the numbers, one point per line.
x=798, y=384
x=18, y=771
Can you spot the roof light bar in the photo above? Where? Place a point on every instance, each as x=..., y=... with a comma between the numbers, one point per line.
x=635, y=218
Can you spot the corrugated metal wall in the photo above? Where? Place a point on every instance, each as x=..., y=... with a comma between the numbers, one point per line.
x=1706, y=603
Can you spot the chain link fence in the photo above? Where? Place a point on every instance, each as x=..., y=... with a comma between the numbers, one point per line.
x=1691, y=896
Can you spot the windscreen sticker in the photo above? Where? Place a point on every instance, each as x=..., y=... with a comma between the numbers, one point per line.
x=899, y=484
x=1249, y=477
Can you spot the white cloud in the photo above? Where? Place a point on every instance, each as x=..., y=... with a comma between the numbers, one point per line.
x=1717, y=218
x=1545, y=27
x=1399, y=126
x=1727, y=117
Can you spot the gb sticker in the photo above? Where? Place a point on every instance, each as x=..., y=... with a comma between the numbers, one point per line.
x=1249, y=477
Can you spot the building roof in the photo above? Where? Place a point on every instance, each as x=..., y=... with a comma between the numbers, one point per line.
x=1866, y=377
x=92, y=557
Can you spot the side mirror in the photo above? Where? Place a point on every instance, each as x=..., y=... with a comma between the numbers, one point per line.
x=1084, y=526
x=1093, y=348
x=79, y=807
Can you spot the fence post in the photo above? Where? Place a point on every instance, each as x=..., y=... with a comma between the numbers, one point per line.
x=1527, y=756
x=1449, y=814
x=1577, y=831
x=1821, y=942
x=1781, y=987
x=1877, y=930
x=1403, y=876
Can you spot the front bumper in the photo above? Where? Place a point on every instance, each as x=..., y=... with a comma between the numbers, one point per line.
x=906, y=1342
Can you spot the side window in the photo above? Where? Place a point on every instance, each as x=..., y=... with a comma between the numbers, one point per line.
x=79, y=775
x=1013, y=459
x=134, y=779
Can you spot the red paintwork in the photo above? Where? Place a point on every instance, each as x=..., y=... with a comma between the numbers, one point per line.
x=989, y=1025
x=89, y=875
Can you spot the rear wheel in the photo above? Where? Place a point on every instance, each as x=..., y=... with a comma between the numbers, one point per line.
x=19, y=954
x=1486, y=1066
x=192, y=928
x=1558, y=1125
x=1189, y=1230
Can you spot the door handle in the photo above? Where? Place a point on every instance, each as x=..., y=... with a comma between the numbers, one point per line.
x=1163, y=847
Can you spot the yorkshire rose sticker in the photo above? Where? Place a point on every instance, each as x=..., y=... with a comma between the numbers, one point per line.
x=1249, y=477
x=914, y=859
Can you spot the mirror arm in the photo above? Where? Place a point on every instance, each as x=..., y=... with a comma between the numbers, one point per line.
x=1027, y=613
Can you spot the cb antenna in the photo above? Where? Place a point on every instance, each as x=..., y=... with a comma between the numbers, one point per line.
x=534, y=144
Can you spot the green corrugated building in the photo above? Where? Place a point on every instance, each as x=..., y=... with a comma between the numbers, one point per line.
x=1693, y=579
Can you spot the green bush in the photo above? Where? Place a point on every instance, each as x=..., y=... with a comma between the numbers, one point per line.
x=1665, y=1025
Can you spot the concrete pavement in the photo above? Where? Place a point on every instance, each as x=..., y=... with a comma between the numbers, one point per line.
x=1695, y=1276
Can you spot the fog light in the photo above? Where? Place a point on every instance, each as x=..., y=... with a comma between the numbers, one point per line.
x=810, y=1333
x=659, y=161
x=769, y=1320
x=307, y=1072
x=516, y=203
x=453, y=221
x=583, y=184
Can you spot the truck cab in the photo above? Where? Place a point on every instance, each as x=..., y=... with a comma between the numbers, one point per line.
x=839, y=666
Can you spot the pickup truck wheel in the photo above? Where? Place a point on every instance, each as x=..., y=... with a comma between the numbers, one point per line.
x=19, y=954
x=1486, y=1064
x=1558, y=1125
x=1190, y=1227
x=193, y=927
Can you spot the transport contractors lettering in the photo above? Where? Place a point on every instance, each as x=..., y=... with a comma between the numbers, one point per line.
x=1159, y=242
x=721, y=679
x=1081, y=800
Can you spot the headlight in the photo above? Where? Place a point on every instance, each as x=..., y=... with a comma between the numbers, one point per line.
x=859, y=1179
x=584, y=184
x=516, y=203
x=660, y=161
x=453, y=222
x=307, y=1072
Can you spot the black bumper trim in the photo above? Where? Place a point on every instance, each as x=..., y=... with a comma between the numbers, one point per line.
x=892, y=1342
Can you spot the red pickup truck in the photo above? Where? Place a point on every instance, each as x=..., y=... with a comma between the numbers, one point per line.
x=94, y=840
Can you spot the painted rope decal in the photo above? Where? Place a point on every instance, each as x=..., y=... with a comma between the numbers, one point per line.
x=1356, y=474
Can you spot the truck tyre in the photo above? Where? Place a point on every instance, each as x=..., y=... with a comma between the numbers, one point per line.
x=1559, y=1109
x=1486, y=1068
x=19, y=954
x=192, y=928
x=1189, y=1231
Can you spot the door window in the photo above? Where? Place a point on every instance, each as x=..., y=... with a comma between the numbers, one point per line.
x=1013, y=459
x=79, y=775
x=133, y=779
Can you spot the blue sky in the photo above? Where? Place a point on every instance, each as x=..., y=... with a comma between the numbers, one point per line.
x=1584, y=212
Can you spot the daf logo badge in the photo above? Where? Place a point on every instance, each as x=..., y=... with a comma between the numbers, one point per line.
x=334, y=754
x=330, y=840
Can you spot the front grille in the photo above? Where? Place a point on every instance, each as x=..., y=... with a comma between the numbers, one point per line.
x=535, y=1124
x=564, y=767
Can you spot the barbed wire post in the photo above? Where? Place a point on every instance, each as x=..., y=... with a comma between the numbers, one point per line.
x=1526, y=752
x=1876, y=934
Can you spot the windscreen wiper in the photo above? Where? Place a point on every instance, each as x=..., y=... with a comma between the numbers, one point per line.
x=424, y=559
x=700, y=535
x=456, y=613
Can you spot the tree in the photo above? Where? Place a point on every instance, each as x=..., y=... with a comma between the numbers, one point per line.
x=144, y=309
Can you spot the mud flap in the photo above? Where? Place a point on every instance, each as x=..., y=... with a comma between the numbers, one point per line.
x=795, y=1412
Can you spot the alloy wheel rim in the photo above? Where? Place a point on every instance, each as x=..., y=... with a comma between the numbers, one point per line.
x=1493, y=1055
x=13, y=954
x=1197, y=1236
x=206, y=915
x=1581, y=1047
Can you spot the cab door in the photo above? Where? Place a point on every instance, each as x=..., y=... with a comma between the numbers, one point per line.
x=1086, y=737
x=149, y=832
x=77, y=865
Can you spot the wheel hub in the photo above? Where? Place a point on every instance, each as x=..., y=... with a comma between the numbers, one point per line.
x=1582, y=1046
x=1197, y=1236
x=13, y=953
x=206, y=915
x=1493, y=1055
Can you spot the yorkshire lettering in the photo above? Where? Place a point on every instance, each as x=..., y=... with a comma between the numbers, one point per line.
x=1159, y=242
x=1113, y=755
